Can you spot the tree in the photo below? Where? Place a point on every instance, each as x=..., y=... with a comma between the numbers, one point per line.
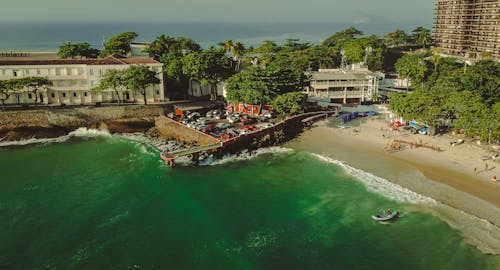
x=421, y=36
x=119, y=44
x=115, y=80
x=397, y=38
x=70, y=50
x=238, y=53
x=34, y=84
x=139, y=78
x=411, y=66
x=484, y=77
x=289, y=103
x=164, y=44
x=339, y=38
x=6, y=90
x=208, y=67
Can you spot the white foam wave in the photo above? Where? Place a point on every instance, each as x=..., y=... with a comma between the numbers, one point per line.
x=244, y=155
x=380, y=185
x=80, y=132
x=88, y=132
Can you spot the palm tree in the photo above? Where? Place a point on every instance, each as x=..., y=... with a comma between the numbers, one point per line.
x=421, y=36
x=228, y=46
x=238, y=52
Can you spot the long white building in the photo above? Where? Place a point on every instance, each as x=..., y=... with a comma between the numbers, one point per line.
x=73, y=79
x=343, y=86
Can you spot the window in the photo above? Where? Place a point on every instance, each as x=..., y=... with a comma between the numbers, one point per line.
x=157, y=92
x=85, y=93
x=74, y=94
x=64, y=94
x=91, y=71
x=30, y=96
x=53, y=95
x=14, y=73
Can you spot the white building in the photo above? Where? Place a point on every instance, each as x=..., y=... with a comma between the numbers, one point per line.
x=73, y=79
x=343, y=86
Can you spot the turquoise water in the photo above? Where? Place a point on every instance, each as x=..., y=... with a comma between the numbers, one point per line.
x=108, y=203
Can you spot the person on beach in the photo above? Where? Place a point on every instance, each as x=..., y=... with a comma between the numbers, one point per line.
x=475, y=170
x=494, y=179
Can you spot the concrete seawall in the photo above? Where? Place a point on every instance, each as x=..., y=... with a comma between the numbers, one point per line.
x=45, y=123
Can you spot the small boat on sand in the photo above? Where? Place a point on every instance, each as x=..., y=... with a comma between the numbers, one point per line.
x=386, y=215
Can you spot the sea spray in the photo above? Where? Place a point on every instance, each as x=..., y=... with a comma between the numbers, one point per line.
x=244, y=155
x=80, y=132
x=380, y=185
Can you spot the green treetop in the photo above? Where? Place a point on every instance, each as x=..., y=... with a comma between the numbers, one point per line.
x=119, y=44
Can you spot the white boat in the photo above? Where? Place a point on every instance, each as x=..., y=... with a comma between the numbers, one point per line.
x=386, y=216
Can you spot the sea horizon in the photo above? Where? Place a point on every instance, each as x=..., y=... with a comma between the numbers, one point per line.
x=48, y=36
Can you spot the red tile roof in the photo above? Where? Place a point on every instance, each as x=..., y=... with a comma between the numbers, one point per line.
x=109, y=60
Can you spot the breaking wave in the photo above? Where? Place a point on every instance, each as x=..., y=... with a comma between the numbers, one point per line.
x=80, y=132
x=380, y=185
x=244, y=155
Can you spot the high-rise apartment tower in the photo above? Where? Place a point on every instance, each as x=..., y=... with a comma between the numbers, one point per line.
x=468, y=28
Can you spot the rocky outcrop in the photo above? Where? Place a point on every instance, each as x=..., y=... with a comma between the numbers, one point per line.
x=48, y=123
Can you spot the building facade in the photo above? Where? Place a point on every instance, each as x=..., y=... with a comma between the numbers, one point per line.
x=73, y=79
x=344, y=86
x=468, y=28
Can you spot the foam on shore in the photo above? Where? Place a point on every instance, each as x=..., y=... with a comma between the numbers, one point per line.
x=80, y=132
x=380, y=185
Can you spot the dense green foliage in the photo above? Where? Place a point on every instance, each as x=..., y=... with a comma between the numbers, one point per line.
x=412, y=66
x=454, y=97
x=262, y=85
x=289, y=103
x=421, y=36
x=208, y=67
x=119, y=44
x=166, y=46
x=397, y=38
x=70, y=50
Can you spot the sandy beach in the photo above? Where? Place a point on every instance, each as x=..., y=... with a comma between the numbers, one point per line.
x=447, y=176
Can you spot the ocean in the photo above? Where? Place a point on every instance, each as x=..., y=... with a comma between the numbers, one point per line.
x=47, y=36
x=98, y=201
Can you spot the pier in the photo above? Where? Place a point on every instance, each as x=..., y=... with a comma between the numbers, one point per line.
x=290, y=126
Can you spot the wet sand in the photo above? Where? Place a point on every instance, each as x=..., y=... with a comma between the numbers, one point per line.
x=446, y=176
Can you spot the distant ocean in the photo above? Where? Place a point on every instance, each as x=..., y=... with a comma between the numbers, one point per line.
x=47, y=36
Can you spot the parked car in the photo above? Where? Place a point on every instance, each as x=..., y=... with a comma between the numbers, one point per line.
x=266, y=125
x=210, y=113
x=233, y=119
x=223, y=125
x=194, y=115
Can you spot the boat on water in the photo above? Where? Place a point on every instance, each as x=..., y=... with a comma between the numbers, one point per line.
x=386, y=215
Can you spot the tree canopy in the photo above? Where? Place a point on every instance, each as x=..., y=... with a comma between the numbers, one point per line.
x=82, y=50
x=140, y=77
x=115, y=80
x=119, y=44
x=451, y=98
x=208, y=67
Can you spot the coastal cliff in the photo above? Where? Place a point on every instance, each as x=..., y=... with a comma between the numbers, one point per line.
x=48, y=123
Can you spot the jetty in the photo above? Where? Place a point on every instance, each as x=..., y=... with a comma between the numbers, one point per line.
x=289, y=127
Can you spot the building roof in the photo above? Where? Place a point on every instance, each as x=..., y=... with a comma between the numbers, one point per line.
x=110, y=60
x=342, y=75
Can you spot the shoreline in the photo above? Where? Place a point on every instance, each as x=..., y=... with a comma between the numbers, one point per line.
x=444, y=176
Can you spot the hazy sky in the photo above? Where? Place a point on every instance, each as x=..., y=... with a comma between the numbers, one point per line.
x=356, y=11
